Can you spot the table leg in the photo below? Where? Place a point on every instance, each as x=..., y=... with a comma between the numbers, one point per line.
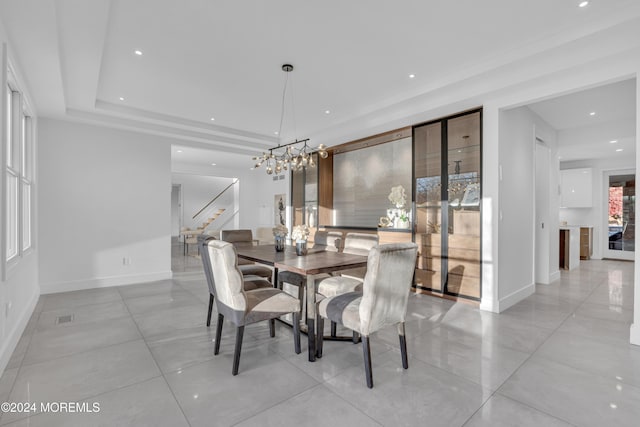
x=311, y=316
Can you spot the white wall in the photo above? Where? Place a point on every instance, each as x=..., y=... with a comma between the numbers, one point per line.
x=197, y=191
x=595, y=216
x=105, y=195
x=19, y=292
x=518, y=128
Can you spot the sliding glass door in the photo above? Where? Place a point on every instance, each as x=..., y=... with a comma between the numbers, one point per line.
x=447, y=174
x=621, y=216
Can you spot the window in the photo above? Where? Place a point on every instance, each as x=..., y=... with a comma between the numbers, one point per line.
x=25, y=179
x=18, y=172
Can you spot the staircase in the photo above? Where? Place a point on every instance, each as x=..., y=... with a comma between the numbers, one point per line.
x=212, y=218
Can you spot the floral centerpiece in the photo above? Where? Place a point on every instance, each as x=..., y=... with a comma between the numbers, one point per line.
x=300, y=234
x=280, y=234
x=280, y=231
x=398, y=196
x=398, y=216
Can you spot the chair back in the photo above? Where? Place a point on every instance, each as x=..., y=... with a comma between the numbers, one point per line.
x=359, y=243
x=329, y=240
x=206, y=262
x=237, y=237
x=223, y=275
x=386, y=287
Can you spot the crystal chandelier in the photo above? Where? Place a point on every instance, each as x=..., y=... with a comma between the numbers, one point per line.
x=294, y=155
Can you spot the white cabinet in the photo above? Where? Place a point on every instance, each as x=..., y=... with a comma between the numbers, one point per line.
x=576, y=188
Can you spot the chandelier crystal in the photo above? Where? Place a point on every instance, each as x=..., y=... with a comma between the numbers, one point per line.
x=294, y=155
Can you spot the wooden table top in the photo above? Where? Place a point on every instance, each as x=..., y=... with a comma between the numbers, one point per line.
x=315, y=262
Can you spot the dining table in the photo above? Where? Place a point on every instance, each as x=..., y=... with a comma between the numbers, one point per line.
x=316, y=262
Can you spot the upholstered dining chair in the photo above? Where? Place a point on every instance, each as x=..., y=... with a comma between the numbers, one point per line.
x=240, y=306
x=241, y=238
x=328, y=240
x=382, y=302
x=251, y=282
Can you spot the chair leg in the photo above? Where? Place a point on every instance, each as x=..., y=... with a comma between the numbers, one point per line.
x=403, y=345
x=216, y=349
x=296, y=333
x=319, y=333
x=236, y=354
x=210, y=309
x=355, y=338
x=334, y=329
x=301, y=298
x=366, y=350
x=272, y=328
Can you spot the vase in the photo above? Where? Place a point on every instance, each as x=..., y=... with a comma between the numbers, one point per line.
x=301, y=247
x=279, y=242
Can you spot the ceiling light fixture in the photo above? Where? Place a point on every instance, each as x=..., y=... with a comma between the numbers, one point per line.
x=619, y=149
x=613, y=141
x=138, y=52
x=121, y=98
x=178, y=151
x=213, y=118
x=583, y=4
x=297, y=154
x=327, y=111
x=213, y=164
x=411, y=76
x=593, y=113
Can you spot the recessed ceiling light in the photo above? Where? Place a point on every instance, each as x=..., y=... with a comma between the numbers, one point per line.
x=613, y=141
x=583, y=4
x=275, y=133
x=213, y=164
x=178, y=151
x=619, y=149
x=327, y=111
x=138, y=52
x=121, y=98
x=411, y=76
x=212, y=118
x=593, y=113
x=251, y=169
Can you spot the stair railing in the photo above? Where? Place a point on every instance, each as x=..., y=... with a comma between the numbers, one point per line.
x=214, y=199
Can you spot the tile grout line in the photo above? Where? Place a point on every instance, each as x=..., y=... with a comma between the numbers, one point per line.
x=15, y=379
x=154, y=360
x=529, y=358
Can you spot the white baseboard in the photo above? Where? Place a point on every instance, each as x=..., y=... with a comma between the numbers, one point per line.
x=9, y=345
x=103, y=282
x=501, y=304
x=555, y=276
x=635, y=334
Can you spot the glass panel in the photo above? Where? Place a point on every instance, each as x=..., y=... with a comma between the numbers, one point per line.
x=463, y=143
x=23, y=145
x=297, y=196
x=311, y=195
x=26, y=216
x=9, y=128
x=428, y=195
x=622, y=216
x=12, y=215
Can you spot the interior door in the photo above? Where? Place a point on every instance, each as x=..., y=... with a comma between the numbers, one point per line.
x=542, y=197
x=620, y=215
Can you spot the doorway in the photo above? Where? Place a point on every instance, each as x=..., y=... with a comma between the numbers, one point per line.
x=176, y=209
x=620, y=214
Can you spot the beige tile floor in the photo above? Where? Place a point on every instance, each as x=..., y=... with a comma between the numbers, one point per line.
x=561, y=357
